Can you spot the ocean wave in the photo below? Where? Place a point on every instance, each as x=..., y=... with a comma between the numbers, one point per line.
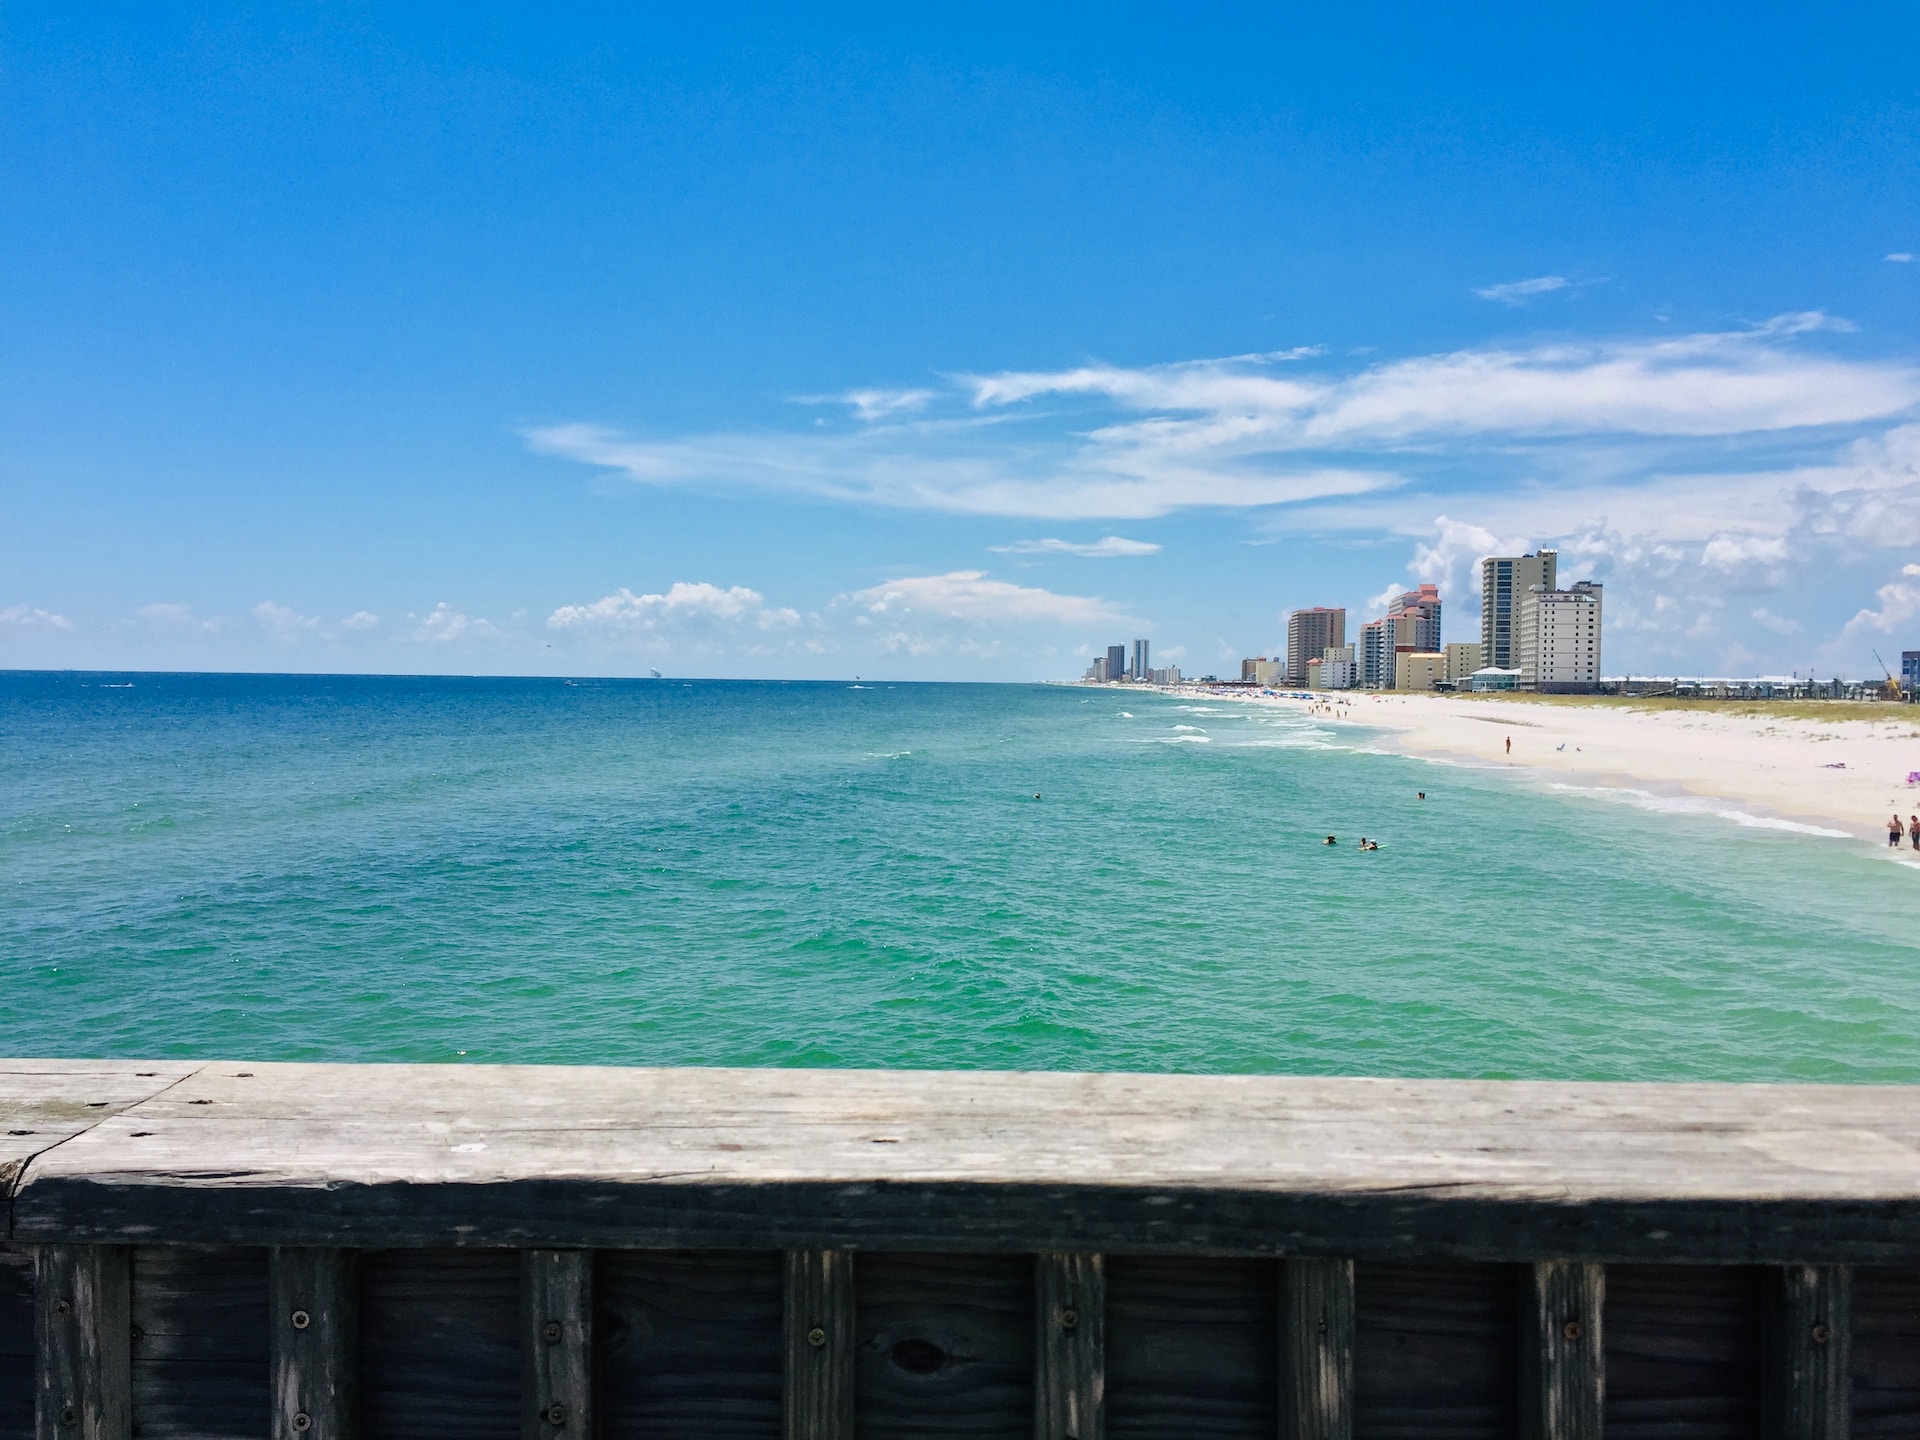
x=1700, y=805
x=1199, y=729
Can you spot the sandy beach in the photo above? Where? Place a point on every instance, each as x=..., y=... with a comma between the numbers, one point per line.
x=1846, y=774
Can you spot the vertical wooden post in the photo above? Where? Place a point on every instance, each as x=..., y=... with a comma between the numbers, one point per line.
x=819, y=1344
x=1805, y=1390
x=1070, y=1347
x=556, y=1345
x=1316, y=1354
x=313, y=1317
x=83, y=1326
x=1563, y=1372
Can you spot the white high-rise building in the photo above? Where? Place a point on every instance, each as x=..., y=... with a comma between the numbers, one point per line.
x=1557, y=638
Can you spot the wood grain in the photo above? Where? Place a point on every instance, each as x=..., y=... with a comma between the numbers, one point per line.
x=1317, y=1319
x=1069, y=1337
x=1192, y=1347
x=1886, y=1353
x=440, y=1344
x=1257, y=1165
x=1563, y=1373
x=556, y=1345
x=82, y=1330
x=944, y=1346
x=314, y=1317
x=1436, y=1351
x=16, y=1343
x=1805, y=1385
x=201, y=1357
x=689, y=1344
x=46, y=1102
x=818, y=1344
x=1683, y=1348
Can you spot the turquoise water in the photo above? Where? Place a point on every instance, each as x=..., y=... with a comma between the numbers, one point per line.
x=818, y=874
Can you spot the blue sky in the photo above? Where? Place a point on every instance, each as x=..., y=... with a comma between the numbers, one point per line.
x=947, y=343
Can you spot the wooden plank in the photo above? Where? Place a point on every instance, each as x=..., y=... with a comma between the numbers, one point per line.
x=82, y=1329
x=313, y=1315
x=556, y=1345
x=1683, y=1345
x=201, y=1357
x=819, y=1345
x=16, y=1343
x=1317, y=1319
x=944, y=1347
x=1069, y=1358
x=689, y=1344
x=1436, y=1351
x=1563, y=1375
x=1809, y=1354
x=563, y=1158
x=440, y=1344
x=1886, y=1352
x=46, y=1102
x=1192, y=1348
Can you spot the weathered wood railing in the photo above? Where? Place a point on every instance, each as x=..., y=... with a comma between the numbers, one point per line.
x=320, y=1252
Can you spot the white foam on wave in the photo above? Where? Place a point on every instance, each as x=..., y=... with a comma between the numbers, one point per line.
x=1697, y=805
x=1198, y=729
x=1176, y=740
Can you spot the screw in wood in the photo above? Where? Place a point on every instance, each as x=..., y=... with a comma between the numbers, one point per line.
x=1069, y=1319
x=302, y=1421
x=816, y=1337
x=1821, y=1334
x=556, y=1414
x=67, y=1415
x=63, y=1307
x=301, y=1319
x=1571, y=1329
x=552, y=1332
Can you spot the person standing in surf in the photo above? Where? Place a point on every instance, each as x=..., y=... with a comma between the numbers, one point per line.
x=1895, y=831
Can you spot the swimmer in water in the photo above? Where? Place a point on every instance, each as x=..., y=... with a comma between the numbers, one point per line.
x=1331, y=841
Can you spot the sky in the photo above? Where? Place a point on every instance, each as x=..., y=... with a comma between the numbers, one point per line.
x=948, y=342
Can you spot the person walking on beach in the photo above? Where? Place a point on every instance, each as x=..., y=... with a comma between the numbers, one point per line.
x=1895, y=831
x=1509, y=744
x=1913, y=830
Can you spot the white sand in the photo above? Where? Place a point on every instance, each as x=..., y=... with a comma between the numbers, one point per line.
x=1762, y=764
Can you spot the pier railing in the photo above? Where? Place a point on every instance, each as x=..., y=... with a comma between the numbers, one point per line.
x=316, y=1252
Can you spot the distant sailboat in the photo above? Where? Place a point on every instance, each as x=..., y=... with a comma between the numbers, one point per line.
x=656, y=674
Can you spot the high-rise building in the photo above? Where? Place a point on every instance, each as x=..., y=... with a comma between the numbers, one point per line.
x=1141, y=668
x=1116, y=662
x=1376, y=654
x=1463, y=658
x=1309, y=633
x=1422, y=610
x=1910, y=673
x=1333, y=670
x=1557, y=637
x=1504, y=580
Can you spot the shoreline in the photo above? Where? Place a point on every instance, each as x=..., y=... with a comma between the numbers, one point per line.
x=1840, y=775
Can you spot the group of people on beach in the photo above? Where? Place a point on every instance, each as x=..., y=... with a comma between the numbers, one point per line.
x=1896, y=832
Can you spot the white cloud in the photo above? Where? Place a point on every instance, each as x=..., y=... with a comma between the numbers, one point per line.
x=968, y=596
x=1899, y=604
x=283, y=624
x=1778, y=624
x=1110, y=546
x=684, y=606
x=874, y=404
x=29, y=617
x=361, y=620
x=1518, y=292
x=446, y=625
x=1901, y=257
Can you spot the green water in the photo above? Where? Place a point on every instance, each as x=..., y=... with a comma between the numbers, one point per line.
x=816, y=874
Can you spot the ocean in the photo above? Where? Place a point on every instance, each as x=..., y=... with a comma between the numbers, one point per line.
x=837, y=874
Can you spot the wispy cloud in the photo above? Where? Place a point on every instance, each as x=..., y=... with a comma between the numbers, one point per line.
x=361, y=620
x=1901, y=257
x=873, y=404
x=179, y=620
x=444, y=625
x=31, y=617
x=1108, y=548
x=1133, y=442
x=285, y=625
x=1518, y=292
x=970, y=597
x=682, y=608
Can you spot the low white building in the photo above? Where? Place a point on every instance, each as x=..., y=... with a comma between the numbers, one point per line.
x=1334, y=670
x=1559, y=638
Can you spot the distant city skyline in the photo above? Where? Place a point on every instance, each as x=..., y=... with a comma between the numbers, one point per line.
x=755, y=341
